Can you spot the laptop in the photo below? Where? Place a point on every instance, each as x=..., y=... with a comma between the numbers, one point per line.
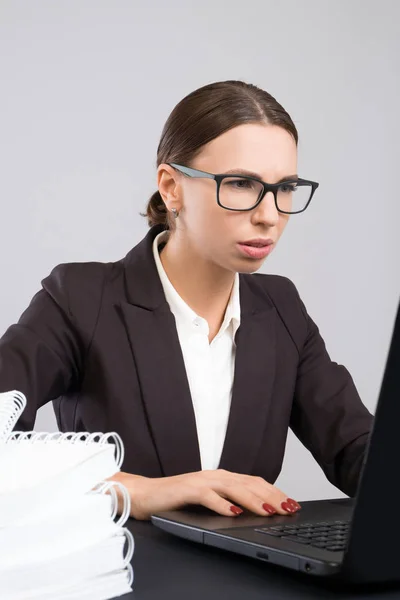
x=351, y=539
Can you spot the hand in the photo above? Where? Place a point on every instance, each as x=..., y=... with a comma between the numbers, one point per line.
x=219, y=490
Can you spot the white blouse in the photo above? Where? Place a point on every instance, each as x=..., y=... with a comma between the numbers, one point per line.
x=209, y=367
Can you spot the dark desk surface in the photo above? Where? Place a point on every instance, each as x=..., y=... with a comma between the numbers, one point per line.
x=169, y=568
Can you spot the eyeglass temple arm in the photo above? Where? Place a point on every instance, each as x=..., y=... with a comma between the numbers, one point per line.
x=192, y=172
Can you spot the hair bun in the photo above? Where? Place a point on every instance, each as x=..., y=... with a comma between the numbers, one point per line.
x=156, y=212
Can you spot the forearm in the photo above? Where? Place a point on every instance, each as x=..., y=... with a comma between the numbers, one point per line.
x=349, y=463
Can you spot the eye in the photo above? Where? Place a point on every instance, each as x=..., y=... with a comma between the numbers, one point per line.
x=239, y=184
x=288, y=188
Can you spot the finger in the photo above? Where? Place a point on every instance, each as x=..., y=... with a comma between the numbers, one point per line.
x=253, y=493
x=243, y=496
x=210, y=499
x=273, y=496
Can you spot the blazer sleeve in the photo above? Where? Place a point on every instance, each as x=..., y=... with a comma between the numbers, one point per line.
x=43, y=354
x=327, y=414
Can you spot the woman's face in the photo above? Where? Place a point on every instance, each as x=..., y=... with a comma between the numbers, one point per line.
x=214, y=233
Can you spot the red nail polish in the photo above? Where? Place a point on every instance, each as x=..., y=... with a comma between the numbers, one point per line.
x=236, y=510
x=293, y=503
x=269, y=509
x=288, y=507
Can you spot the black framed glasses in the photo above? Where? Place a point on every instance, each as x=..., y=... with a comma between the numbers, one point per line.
x=241, y=192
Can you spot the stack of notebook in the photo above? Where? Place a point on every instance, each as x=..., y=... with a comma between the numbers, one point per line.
x=60, y=536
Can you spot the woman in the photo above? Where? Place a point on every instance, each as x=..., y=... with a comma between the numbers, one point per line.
x=200, y=364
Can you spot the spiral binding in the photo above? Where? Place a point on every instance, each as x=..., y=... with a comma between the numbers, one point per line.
x=72, y=437
x=131, y=545
x=104, y=487
x=129, y=574
x=12, y=405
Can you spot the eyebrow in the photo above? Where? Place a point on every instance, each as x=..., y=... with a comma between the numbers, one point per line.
x=257, y=176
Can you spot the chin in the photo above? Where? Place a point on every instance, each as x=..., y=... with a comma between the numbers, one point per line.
x=251, y=269
x=247, y=267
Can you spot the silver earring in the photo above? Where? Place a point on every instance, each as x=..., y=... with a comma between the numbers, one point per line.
x=175, y=213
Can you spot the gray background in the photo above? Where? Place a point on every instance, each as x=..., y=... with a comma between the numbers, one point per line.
x=86, y=88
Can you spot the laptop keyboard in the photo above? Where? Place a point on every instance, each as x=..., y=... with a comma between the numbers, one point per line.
x=327, y=535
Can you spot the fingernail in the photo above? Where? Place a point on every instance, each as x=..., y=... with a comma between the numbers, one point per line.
x=288, y=507
x=236, y=510
x=269, y=509
x=293, y=503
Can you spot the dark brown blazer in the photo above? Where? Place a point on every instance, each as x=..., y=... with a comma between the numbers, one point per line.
x=100, y=341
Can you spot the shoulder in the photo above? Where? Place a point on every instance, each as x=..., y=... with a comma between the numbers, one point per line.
x=78, y=288
x=281, y=290
x=83, y=277
x=277, y=283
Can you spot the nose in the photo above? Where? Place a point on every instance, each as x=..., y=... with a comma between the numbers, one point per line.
x=266, y=212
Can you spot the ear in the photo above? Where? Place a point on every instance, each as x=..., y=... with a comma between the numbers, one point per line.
x=168, y=180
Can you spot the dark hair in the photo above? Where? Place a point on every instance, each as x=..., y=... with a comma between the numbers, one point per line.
x=202, y=116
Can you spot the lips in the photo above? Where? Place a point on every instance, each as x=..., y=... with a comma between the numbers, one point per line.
x=256, y=249
x=258, y=243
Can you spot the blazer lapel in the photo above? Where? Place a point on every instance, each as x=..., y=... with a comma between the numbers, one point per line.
x=253, y=381
x=160, y=366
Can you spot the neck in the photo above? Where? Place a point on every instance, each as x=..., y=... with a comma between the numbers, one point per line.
x=204, y=286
